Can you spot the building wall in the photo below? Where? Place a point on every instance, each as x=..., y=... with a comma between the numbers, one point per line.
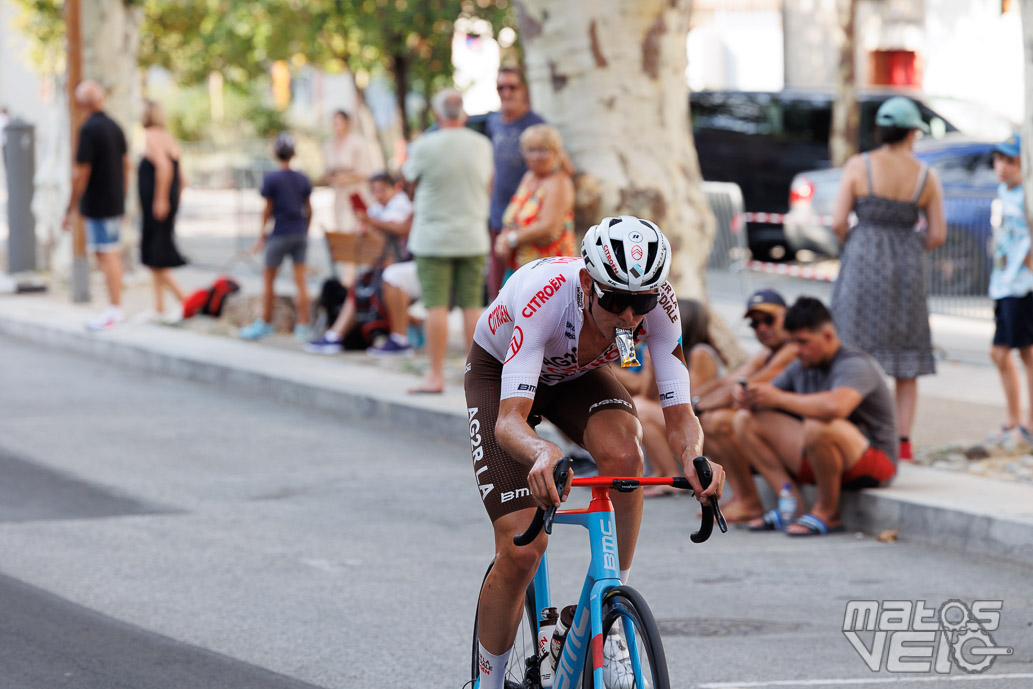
x=811, y=48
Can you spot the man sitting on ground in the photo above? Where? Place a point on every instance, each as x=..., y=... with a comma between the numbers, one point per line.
x=828, y=419
x=765, y=310
x=392, y=215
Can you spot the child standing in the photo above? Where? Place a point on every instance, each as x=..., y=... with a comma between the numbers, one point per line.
x=287, y=193
x=1011, y=288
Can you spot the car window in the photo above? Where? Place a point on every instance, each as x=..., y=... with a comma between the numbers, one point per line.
x=745, y=113
x=970, y=169
x=806, y=120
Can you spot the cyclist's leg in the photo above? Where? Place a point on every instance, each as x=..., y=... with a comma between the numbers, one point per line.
x=503, y=487
x=597, y=412
x=502, y=596
x=613, y=437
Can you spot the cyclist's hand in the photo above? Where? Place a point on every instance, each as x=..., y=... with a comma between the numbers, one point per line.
x=717, y=483
x=542, y=484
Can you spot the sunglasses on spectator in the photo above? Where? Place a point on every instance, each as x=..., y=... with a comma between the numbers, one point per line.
x=768, y=320
x=537, y=151
x=641, y=303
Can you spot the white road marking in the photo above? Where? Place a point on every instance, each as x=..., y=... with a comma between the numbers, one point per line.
x=897, y=679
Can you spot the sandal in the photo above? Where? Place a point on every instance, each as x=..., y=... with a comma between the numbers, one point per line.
x=814, y=526
x=771, y=521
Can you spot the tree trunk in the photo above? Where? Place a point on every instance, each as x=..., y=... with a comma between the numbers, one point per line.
x=610, y=75
x=845, y=115
x=111, y=40
x=1027, y=120
x=400, y=69
x=110, y=45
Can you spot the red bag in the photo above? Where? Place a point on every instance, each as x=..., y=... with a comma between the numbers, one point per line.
x=210, y=301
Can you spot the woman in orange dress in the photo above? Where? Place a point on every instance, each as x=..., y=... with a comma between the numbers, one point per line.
x=539, y=220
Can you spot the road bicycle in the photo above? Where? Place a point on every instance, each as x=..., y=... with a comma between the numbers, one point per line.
x=634, y=644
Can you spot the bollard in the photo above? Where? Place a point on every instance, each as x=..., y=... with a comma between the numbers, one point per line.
x=20, y=158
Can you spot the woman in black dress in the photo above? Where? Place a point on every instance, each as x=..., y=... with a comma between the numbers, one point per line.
x=160, y=183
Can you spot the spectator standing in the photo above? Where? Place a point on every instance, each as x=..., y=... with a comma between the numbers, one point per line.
x=1011, y=288
x=539, y=220
x=879, y=299
x=160, y=183
x=827, y=420
x=391, y=213
x=504, y=129
x=100, y=179
x=452, y=170
x=713, y=403
x=348, y=168
x=288, y=201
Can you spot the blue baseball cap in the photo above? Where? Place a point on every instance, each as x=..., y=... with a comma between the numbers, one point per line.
x=900, y=111
x=1011, y=147
x=766, y=300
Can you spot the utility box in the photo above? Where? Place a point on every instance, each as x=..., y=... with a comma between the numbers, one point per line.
x=20, y=161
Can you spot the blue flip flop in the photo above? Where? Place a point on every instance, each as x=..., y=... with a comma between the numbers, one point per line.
x=814, y=526
x=772, y=521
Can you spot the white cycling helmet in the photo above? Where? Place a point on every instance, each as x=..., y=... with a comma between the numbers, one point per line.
x=627, y=253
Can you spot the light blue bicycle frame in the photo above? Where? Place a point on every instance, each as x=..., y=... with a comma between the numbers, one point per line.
x=585, y=637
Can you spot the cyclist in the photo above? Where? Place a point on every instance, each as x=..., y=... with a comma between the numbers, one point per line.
x=541, y=350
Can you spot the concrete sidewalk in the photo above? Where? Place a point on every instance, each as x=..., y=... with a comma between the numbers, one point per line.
x=974, y=514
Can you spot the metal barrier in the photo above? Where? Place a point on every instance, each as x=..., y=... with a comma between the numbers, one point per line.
x=729, y=247
x=959, y=271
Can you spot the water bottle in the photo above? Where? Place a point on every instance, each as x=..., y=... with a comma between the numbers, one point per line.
x=559, y=636
x=786, y=504
x=545, y=632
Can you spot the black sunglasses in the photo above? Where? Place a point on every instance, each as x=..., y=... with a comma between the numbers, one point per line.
x=768, y=320
x=616, y=302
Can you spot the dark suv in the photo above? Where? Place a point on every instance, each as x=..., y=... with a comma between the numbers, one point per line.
x=761, y=140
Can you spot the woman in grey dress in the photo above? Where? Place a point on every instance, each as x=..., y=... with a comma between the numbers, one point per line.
x=879, y=299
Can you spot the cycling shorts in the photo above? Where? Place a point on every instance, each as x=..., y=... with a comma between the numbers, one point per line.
x=502, y=480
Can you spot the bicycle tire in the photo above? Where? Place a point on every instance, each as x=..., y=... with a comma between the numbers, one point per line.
x=623, y=602
x=525, y=645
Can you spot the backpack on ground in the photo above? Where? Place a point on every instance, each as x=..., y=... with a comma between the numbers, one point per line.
x=210, y=302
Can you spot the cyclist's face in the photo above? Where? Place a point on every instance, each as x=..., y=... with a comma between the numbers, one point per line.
x=615, y=313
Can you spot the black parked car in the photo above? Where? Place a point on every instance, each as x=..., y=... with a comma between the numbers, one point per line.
x=761, y=140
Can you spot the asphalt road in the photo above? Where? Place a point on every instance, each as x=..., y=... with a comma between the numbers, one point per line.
x=159, y=533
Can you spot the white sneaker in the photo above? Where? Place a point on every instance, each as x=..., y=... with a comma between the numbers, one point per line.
x=111, y=317
x=172, y=315
x=617, y=670
x=146, y=316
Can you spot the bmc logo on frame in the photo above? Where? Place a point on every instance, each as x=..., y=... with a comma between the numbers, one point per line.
x=911, y=637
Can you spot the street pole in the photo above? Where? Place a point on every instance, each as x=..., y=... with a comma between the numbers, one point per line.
x=80, y=263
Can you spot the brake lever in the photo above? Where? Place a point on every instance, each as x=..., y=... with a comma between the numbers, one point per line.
x=710, y=511
x=560, y=474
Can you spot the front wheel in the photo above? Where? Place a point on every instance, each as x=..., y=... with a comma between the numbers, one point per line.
x=522, y=667
x=633, y=654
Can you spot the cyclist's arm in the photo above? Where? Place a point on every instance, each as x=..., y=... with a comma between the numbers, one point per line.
x=519, y=440
x=685, y=437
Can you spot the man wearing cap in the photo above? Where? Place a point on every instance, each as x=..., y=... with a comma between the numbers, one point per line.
x=827, y=419
x=765, y=310
x=1011, y=288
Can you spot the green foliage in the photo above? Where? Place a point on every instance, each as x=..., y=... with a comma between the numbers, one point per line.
x=42, y=22
x=246, y=113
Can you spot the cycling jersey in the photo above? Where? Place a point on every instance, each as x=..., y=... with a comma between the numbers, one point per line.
x=534, y=325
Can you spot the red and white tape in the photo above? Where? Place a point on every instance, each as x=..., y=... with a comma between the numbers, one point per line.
x=780, y=218
x=805, y=272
